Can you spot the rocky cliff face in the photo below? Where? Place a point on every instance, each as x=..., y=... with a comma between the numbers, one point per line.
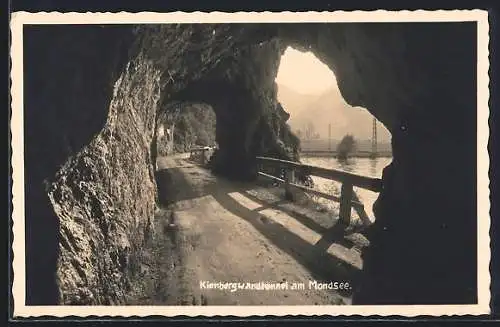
x=68, y=91
x=104, y=196
x=92, y=95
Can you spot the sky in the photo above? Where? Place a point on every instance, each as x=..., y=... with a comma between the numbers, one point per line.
x=304, y=73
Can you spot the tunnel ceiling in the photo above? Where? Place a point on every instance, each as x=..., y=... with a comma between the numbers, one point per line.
x=390, y=69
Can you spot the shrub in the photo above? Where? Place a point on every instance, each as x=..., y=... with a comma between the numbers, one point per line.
x=346, y=146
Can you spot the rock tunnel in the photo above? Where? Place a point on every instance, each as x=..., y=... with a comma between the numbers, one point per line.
x=92, y=95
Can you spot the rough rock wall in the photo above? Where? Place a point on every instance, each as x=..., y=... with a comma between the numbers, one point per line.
x=105, y=196
x=67, y=92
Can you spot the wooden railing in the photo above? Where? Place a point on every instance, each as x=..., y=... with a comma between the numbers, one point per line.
x=347, y=198
x=200, y=154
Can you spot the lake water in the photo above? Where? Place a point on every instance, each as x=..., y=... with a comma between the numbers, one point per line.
x=360, y=166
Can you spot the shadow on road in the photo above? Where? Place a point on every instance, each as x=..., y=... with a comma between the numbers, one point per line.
x=303, y=219
x=333, y=234
x=174, y=185
x=322, y=265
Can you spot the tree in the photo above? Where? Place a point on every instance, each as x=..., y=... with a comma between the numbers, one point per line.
x=203, y=139
x=346, y=146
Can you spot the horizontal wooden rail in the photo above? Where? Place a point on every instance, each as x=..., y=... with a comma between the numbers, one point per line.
x=372, y=184
x=356, y=204
x=347, y=198
x=199, y=149
x=277, y=179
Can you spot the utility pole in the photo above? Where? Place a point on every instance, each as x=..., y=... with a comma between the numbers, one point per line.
x=374, y=138
x=329, y=137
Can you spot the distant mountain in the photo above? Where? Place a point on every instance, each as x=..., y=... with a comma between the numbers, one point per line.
x=329, y=108
x=294, y=102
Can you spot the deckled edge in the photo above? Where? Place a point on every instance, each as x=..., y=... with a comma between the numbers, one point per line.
x=17, y=165
x=99, y=312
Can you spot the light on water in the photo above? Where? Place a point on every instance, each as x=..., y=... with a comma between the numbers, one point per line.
x=360, y=166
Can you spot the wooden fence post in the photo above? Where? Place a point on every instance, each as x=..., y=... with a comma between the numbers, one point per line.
x=203, y=156
x=345, y=203
x=289, y=178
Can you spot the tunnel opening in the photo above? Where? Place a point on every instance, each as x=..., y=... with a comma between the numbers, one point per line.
x=181, y=126
x=319, y=114
x=332, y=133
x=184, y=125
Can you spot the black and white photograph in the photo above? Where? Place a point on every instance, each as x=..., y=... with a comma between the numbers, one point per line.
x=242, y=164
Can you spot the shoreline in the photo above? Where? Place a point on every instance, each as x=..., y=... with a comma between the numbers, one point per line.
x=326, y=154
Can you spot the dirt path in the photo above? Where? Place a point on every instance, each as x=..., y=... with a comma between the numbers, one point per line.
x=221, y=234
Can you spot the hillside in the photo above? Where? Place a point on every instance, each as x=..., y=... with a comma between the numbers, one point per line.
x=294, y=102
x=328, y=108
